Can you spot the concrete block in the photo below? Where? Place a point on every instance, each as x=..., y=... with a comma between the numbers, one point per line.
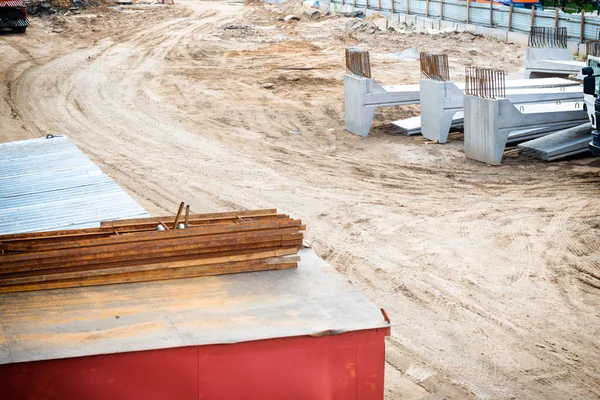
x=581, y=50
x=517, y=38
x=471, y=28
x=411, y=20
x=483, y=30
x=573, y=46
x=452, y=26
x=499, y=34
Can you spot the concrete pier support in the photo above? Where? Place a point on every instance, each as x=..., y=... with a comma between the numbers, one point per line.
x=544, y=63
x=488, y=124
x=362, y=96
x=439, y=102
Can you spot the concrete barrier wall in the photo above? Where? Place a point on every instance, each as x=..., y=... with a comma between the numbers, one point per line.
x=456, y=21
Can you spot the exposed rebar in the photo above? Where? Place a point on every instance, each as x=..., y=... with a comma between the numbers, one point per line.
x=548, y=37
x=592, y=48
x=434, y=66
x=487, y=83
x=358, y=62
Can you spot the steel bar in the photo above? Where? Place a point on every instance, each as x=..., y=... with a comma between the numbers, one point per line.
x=178, y=215
x=220, y=243
x=214, y=216
x=155, y=236
x=592, y=48
x=434, y=66
x=548, y=37
x=145, y=276
x=487, y=83
x=186, y=256
x=139, y=250
x=263, y=255
x=358, y=62
x=12, y=242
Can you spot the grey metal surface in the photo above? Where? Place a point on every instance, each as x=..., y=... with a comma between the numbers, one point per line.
x=49, y=184
x=560, y=144
x=309, y=300
x=479, y=14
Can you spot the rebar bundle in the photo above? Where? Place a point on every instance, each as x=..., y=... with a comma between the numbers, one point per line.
x=434, y=66
x=358, y=62
x=548, y=37
x=487, y=83
x=592, y=48
x=150, y=249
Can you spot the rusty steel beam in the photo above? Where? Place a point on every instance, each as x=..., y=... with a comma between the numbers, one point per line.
x=135, y=251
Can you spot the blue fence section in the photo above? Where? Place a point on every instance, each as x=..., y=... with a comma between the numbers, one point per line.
x=500, y=16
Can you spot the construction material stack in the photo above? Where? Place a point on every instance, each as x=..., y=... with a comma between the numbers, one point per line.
x=150, y=249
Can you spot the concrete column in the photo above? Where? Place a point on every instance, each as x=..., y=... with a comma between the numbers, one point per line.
x=439, y=102
x=358, y=115
x=483, y=140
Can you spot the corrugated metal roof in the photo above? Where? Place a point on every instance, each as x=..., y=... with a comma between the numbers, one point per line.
x=313, y=299
x=49, y=184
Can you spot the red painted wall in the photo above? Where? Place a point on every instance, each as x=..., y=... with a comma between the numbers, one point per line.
x=346, y=366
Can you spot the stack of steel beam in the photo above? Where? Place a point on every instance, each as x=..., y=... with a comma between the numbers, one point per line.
x=149, y=249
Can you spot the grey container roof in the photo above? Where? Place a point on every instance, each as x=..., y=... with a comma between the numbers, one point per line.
x=312, y=299
x=49, y=184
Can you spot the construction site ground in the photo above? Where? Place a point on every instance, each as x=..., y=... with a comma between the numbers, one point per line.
x=491, y=274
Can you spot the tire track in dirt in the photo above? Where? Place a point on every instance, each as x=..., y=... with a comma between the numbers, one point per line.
x=402, y=212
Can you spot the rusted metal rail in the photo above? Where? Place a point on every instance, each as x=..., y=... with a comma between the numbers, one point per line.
x=487, y=83
x=358, y=62
x=136, y=251
x=548, y=37
x=434, y=66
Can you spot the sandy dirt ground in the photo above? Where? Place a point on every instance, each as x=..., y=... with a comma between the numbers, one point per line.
x=491, y=274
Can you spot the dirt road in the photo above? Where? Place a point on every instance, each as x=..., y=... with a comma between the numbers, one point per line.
x=492, y=274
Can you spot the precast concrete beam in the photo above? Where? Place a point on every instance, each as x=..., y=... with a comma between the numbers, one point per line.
x=543, y=63
x=362, y=96
x=488, y=123
x=440, y=101
x=560, y=144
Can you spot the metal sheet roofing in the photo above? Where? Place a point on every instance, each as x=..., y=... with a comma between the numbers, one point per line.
x=312, y=299
x=49, y=184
